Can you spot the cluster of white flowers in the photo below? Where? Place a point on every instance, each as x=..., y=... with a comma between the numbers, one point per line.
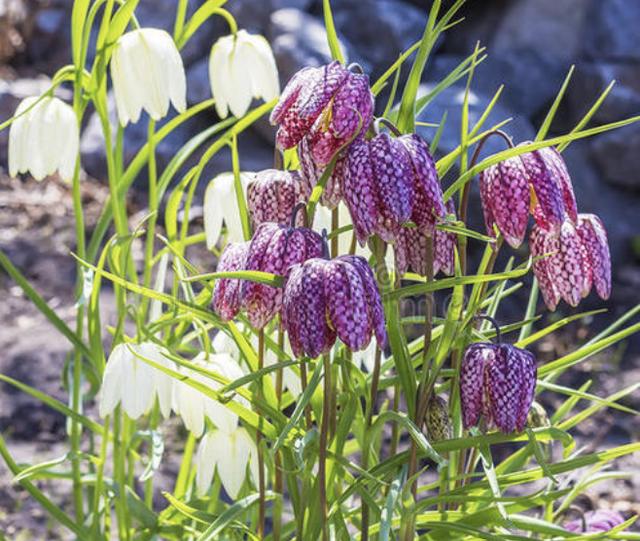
x=147, y=74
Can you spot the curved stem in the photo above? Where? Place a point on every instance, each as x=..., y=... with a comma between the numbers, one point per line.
x=300, y=207
x=494, y=323
x=390, y=126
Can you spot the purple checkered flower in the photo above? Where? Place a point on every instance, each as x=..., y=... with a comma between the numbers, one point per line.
x=325, y=299
x=389, y=181
x=599, y=521
x=570, y=262
x=537, y=182
x=411, y=249
x=329, y=104
x=497, y=382
x=226, y=292
x=311, y=173
x=274, y=248
x=273, y=194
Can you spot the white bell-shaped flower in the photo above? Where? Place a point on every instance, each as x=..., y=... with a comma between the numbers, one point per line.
x=223, y=343
x=242, y=67
x=221, y=204
x=147, y=73
x=194, y=406
x=228, y=453
x=134, y=383
x=44, y=138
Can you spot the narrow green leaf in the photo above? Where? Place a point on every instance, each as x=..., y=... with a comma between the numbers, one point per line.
x=332, y=36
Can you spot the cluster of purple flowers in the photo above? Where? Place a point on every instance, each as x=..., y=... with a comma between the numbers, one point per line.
x=571, y=250
x=390, y=185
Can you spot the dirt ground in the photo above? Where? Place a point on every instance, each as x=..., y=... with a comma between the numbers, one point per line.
x=36, y=232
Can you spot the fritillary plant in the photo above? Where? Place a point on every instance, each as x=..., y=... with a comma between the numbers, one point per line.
x=338, y=367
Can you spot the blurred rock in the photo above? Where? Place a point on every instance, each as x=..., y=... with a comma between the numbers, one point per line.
x=612, y=32
x=591, y=79
x=298, y=40
x=617, y=154
x=450, y=101
x=380, y=32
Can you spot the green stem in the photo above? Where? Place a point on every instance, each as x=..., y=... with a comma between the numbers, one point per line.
x=261, y=480
x=324, y=436
x=153, y=214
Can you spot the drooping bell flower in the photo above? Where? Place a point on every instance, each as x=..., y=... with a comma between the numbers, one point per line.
x=330, y=104
x=411, y=250
x=497, y=381
x=221, y=206
x=536, y=182
x=135, y=384
x=311, y=173
x=232, y=454
x=389, y=181
x=44, y=138
x=568, y=263
x=242, y=67
x=552, y=187
x=273, y=194
x=195, y=407
x=147, y=73
x=599, y=521
x=274, y=248
x=325, y=299
x=227, y=291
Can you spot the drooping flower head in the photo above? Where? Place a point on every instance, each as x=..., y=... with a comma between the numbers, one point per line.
x=570, y=262
x=599, y=521
x=221, y=206
x=227, y=291
x=194, y=407
x=242, y=67
x=329, y=104
x=130, y=381
x=311, y=173
x=328, y=298
x=411, y=249
x=536, y=182
x=497, y=381
x=232, y=454
x=44, y=138
x=389, y=181
x=147, y=73
x=273, y=194
x=274, y=248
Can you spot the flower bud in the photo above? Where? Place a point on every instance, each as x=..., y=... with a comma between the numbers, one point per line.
x=538, y=417
x=437, y=420
x=599, y=521
x=226, y=292
x=272, y=196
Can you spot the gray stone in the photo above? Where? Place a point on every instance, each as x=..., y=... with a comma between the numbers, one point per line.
x=612, y=33
x=298, y=40
x=380, y=31
x=591, y=79
x=450, y=101
x=479, y=25
x=617, y=154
